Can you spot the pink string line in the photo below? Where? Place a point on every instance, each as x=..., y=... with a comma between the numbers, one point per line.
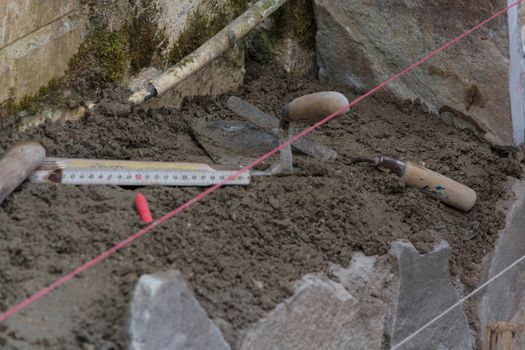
x=43, y=292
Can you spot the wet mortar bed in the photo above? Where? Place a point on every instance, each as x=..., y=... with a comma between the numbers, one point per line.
x=241, y=247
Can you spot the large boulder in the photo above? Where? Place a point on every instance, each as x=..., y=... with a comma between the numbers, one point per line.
x=362, y=43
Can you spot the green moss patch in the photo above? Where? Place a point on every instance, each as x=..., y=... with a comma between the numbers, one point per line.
x=296, y=18
x=202, y=26
x=146, y=39
x=34, y=103
x=102, y=58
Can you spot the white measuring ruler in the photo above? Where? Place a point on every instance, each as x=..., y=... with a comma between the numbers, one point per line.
x=134, y=173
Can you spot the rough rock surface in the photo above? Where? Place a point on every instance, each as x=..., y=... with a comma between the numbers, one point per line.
x=365, y=276
x=374, y=282
x=166, y=315
x=425, y=291
x=321, y=314
x=504, y=299
x=361, y=43
x=294, y=58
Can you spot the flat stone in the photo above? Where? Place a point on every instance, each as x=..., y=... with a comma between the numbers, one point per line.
x=362, y=43
x=166, y=315
x=504, y=299
x=321, y=314
x=365, y=276
x=51, y=115
x=373, y=282
x=425, y=291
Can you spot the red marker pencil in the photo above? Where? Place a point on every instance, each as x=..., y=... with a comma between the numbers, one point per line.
x=141, y=204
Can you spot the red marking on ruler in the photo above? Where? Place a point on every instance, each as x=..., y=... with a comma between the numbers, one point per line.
x=104, y=255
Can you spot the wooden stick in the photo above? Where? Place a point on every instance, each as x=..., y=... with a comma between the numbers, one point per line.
x=17, y=165
x=500, y=335
x=210, y=50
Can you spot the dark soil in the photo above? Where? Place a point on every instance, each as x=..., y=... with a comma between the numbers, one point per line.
x=273, y=231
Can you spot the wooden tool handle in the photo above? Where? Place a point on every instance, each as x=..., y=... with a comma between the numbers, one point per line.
x=440, y=187
x=17, y=165
x=309, y=109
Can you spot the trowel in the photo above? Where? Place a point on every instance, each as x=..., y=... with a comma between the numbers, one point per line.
x=427, y=181
x=270, y=124
x=232, y=141
x=226, y=141
x=308, y=109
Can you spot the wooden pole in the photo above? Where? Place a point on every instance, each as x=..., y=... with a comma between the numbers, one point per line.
x=500, y=335
x=210, y=50
x=17, y=165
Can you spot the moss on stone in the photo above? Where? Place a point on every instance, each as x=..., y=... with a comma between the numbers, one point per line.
x=194, y=35
x=296, y=19
x=201, y=26
x=106, y=56
x=102, y=58
x=293, y=20
x=146, y=39
x=33, y=103
x=237, y=7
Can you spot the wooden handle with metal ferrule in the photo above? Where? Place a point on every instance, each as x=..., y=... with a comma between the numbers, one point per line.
x=17, y=165
x=309, y=109
x=440, y=187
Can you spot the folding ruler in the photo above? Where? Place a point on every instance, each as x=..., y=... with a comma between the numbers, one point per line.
x=134, y=173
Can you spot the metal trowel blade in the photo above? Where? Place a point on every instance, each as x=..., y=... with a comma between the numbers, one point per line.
x=270, y=125
x=232, y=142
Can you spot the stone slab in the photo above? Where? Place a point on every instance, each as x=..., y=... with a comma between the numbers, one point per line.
x=321, y=314
x=314, y=318
x=504, y=299
x=425, y=291
x=166, y=315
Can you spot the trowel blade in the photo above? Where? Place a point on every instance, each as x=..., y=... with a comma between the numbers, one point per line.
x=270, y=124
x=232, y=142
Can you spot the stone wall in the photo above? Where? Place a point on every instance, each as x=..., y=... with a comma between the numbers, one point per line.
x=37, y=38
